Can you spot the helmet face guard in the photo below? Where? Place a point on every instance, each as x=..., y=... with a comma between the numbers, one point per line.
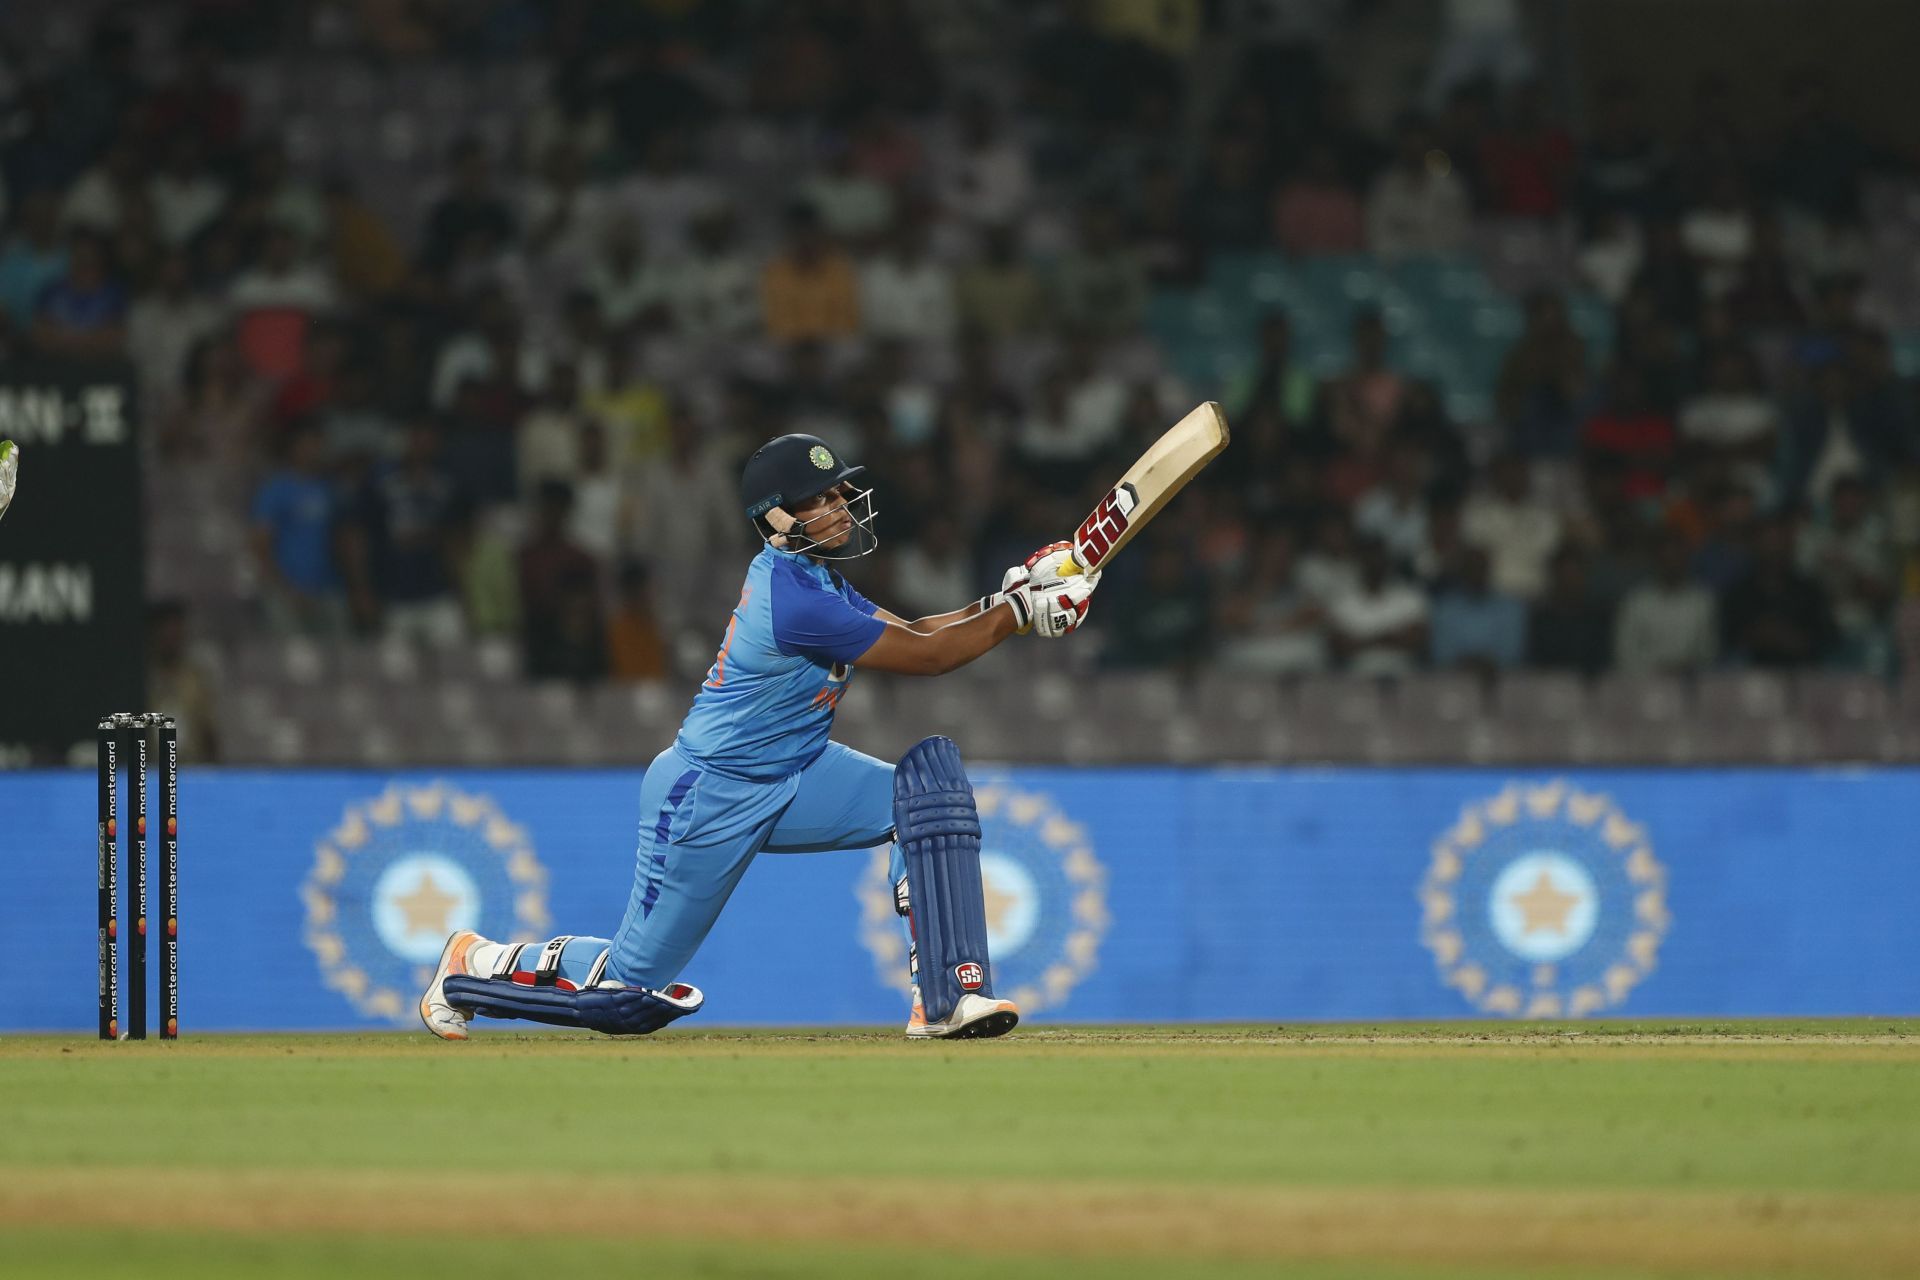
x=778, y=527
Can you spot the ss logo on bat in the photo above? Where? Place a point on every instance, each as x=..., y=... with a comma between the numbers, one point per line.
x=1104, y=527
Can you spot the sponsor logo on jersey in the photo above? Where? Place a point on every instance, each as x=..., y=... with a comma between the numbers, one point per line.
x=1544, y=901
x=1046, y=896
x=398, y=874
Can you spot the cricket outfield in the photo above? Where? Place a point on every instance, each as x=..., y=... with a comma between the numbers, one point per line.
x=1594, y=1149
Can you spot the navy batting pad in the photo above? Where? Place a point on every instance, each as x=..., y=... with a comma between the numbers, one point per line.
x=617, y=1011
x=939, y=833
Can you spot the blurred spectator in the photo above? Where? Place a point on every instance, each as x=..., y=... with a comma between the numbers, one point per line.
x=179, y=684
x=469, y=208
x=1666, y=625
x=933, y=573
x=485, y=572
x=1276, y=383
x=1270, y=625
x=1527, y=163
x=163, y=326
x=636, y=649
x=1569, y=628
x=599, y=498
x=82, y=314
x=1080, y=415
x=1518, y=532
x=562, y=634
x=402, y=519
x=809, y=289
x=1611, y=256
x=275, y=299
x=1379, y=623
x=1631, y=436
x=853, y=205
x=904, y=292
x=281, y=197
x=1733, y=422
x=980, y=175
x=716, y=293
x=666, y=195
x=34, y=257
x=1317, y=211
x=548, y=447
x=1101, y=287
x=186, y=195
x=1542, y=379
x=1776, y=616
x=1474, y=627
x=1395, y=510
x=362, y=253
x=630, y=288
x=685, y=512
x=221, y=406
x=1837, y=430
x=296, y=517
x=563, y=213
x=999, y=295
x=1418, y=205
x=1847, y=548
x=108, y=192
x=1166, y=625
x=1363, y=403
x=1719, y=234
x=1725, y=548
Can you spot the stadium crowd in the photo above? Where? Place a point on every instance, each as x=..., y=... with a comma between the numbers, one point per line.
x=509, y=397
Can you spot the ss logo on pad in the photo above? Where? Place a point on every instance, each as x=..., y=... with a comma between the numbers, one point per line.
x=970, y=975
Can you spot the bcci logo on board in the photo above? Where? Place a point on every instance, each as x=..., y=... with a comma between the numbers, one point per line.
x=1046, y=901
x=402, y=871
x=1544, y=901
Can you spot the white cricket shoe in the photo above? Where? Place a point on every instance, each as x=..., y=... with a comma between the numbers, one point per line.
x=973, y=1018
x=442, y=1018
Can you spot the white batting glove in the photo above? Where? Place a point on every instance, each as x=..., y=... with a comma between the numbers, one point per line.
x=1060, y=606
x=1011, y=581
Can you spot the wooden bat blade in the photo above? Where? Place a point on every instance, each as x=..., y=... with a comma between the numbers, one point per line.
x=1149, y=484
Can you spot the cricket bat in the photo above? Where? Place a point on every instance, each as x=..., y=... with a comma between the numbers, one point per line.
x=1149, y=484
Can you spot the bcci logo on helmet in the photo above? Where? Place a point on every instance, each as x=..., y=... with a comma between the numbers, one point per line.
x=1046, y=897
x=402, y=871
x=1544, y=901
x=820, y=458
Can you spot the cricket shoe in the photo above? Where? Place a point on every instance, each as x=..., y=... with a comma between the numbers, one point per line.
x=443, y=1019
x=973, y=1018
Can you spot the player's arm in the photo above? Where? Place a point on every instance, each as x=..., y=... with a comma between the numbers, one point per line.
x=904, y=650
x=934, y=621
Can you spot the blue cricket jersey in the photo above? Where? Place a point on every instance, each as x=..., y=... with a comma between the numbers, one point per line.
x=768, y=700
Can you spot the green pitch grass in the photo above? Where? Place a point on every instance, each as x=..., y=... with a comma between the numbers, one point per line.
x=1565, y=1150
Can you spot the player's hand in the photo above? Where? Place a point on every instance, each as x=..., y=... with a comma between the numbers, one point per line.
x=1011, y=581
x=1057, y=602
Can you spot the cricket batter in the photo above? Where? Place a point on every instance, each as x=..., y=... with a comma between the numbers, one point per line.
x=752, y=770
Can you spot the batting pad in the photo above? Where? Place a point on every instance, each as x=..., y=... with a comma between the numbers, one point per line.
x=617, y=1011
x=939, y=832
